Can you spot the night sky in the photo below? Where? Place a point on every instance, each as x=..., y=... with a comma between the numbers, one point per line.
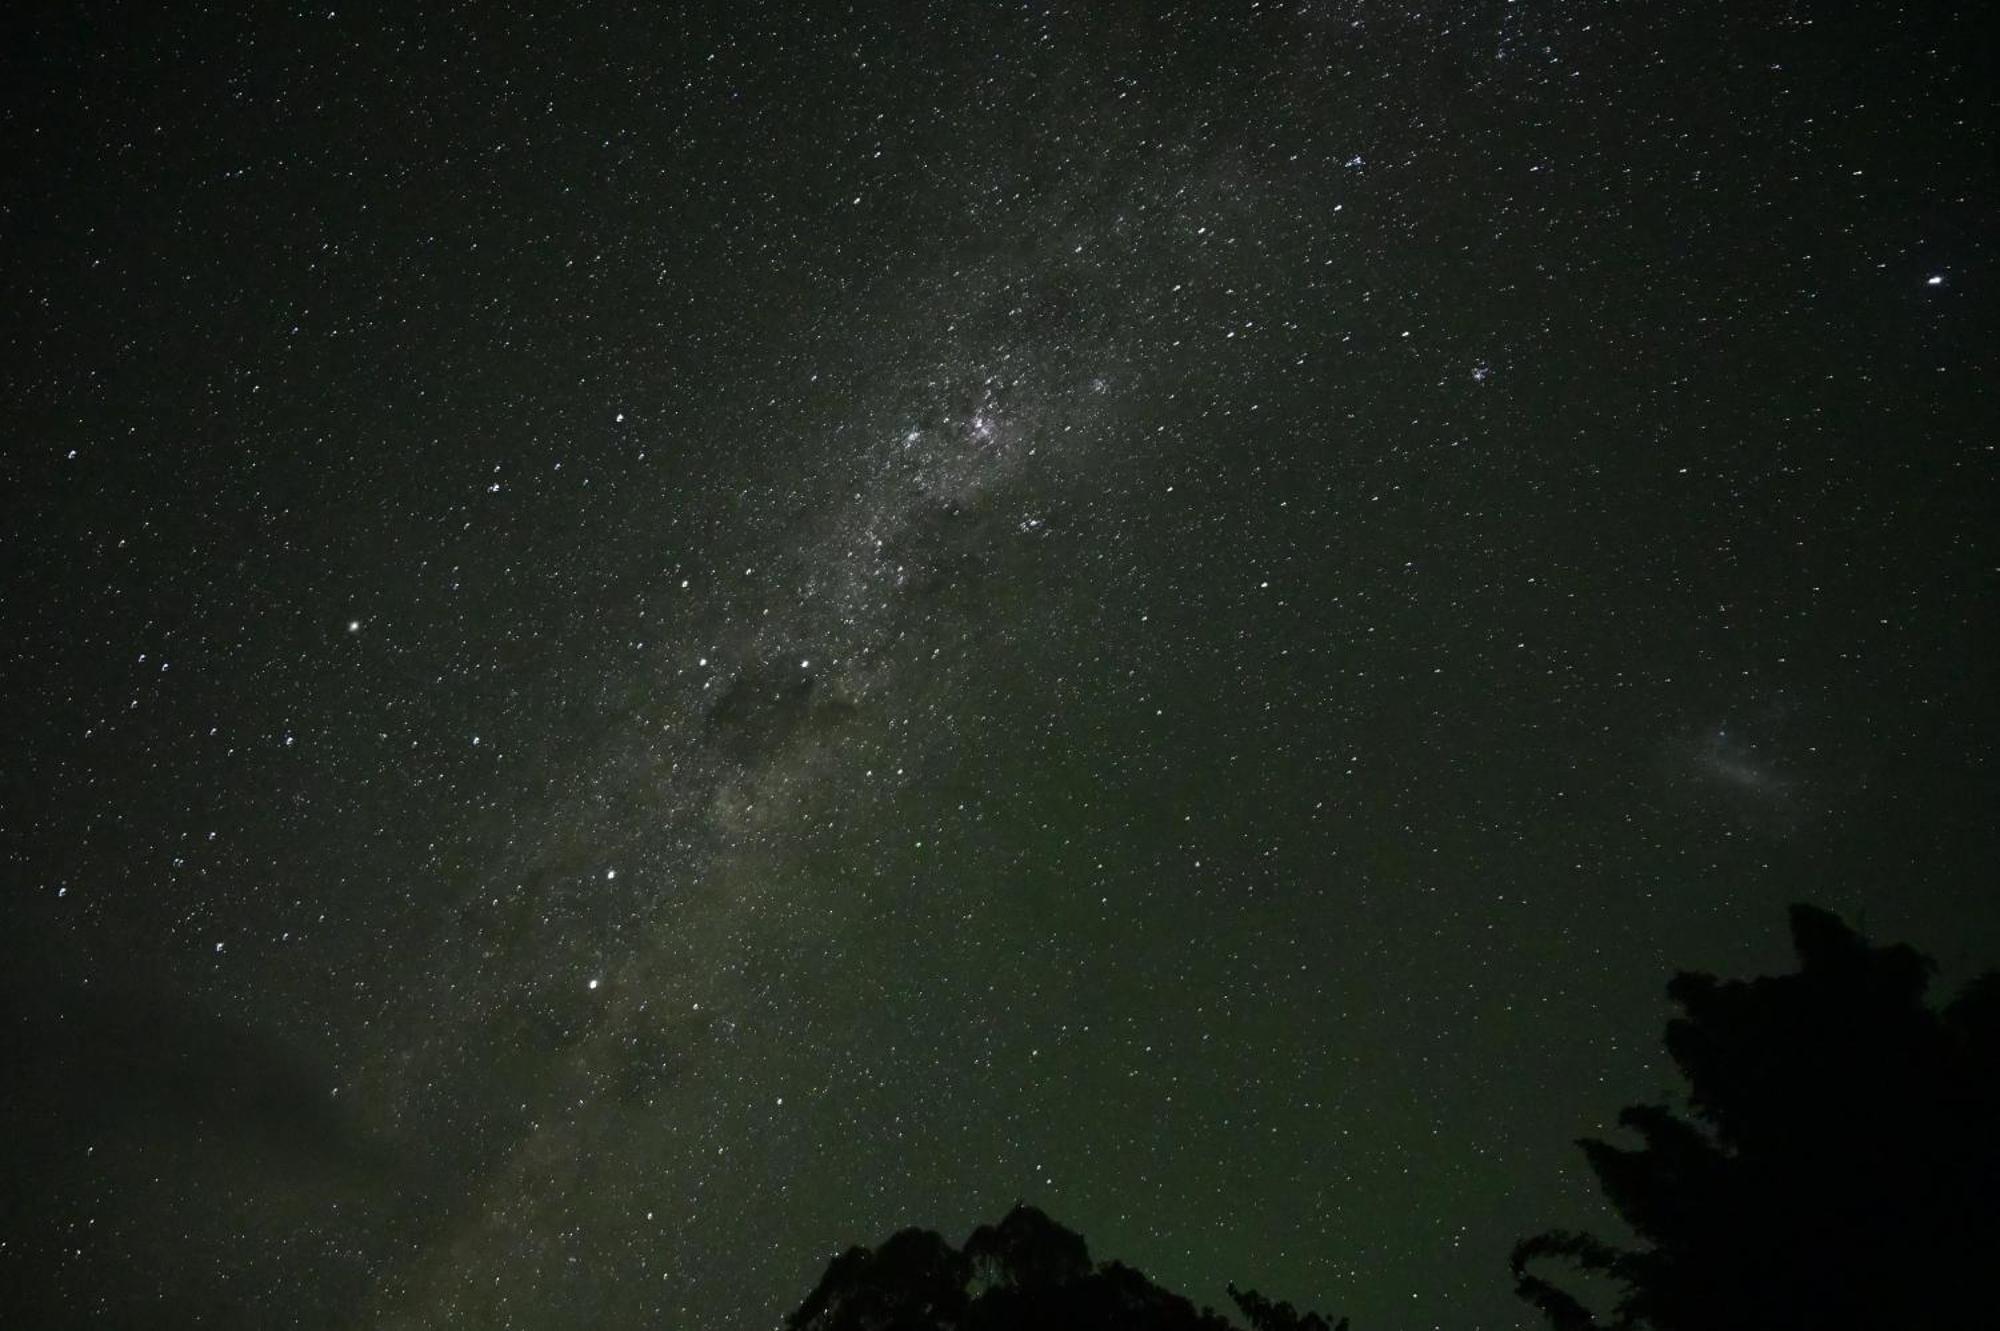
x=646, y=641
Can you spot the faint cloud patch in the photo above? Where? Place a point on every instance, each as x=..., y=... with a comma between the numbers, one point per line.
x=1742, y=770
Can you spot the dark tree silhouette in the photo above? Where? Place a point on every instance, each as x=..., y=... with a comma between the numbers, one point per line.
x=1025, y=1272
x=914, y=1280
x=1840, y=1169
x=1264, y=1315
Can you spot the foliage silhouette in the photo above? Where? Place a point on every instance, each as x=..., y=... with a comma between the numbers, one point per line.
x=1264, y=1315
x=1838, y=1168
x=1026, y=1272
x=1841, y=1168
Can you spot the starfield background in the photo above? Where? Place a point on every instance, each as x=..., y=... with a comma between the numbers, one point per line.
x=646, y=641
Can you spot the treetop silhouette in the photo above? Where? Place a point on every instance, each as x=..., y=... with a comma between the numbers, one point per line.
x=1025, y=1272
x=1839, y=1168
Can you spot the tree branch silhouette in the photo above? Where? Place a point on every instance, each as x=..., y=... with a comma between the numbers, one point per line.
x=1838, y=1168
